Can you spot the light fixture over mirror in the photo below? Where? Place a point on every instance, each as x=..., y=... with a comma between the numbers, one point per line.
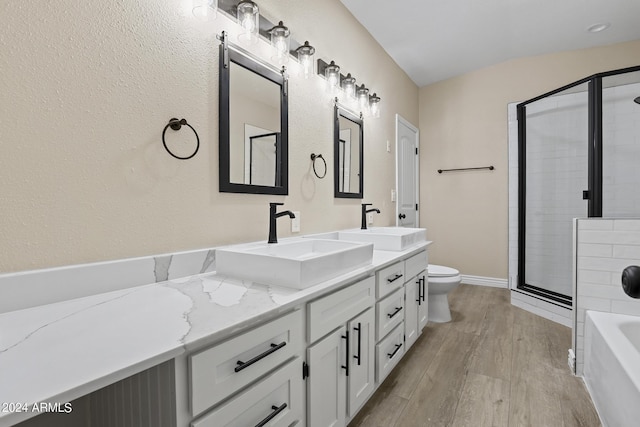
x=349, y=86
x=205, y=10
x=280, y=39
x=332, y=74
x=305, y=57
x=249, y=19
x=374, y=105
x=363, y=98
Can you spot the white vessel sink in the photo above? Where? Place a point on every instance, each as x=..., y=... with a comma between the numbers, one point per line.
x=298, y=264
x=386, y=238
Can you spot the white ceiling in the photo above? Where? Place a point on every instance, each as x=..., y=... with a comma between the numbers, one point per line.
x=434, y=40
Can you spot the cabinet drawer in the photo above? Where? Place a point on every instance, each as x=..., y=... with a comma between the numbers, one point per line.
x=327, y=313
x=216, y=374
x=416, y=264
x=388, y=352
x=279, y=396
x=389, y=313
x=389, y=279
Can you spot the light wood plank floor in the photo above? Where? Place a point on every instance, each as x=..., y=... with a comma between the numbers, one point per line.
x=492, y=365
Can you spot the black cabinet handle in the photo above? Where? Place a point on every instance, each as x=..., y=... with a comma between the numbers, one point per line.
x=394, y=351
x=276, y=411
x=419, y=300
x=393, y=279
x=359, y=329
x=394, y=313
x=346, y=365
x=424, y=287
x=274, y=348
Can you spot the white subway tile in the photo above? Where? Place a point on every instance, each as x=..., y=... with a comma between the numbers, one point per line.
x=627, y=251
x=595, y=224
x=598, y=304
x=595, y=250
x=631, y=307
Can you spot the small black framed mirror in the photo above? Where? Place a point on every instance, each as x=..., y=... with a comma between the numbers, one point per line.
x=348, y=154
x=253, y=144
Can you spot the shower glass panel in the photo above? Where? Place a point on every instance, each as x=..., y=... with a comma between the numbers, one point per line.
x=620, y=145
x=557, y=172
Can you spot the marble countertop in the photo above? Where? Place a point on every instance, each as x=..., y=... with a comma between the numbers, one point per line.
x=59, y=352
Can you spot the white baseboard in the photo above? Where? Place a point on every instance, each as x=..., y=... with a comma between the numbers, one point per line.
x=494, y=282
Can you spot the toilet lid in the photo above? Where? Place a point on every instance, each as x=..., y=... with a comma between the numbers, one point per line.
x=442, y=271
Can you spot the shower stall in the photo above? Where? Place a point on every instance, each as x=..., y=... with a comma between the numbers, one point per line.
x=578, y=156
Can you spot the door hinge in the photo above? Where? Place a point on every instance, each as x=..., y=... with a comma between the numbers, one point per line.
x=305, y=370
x=416, y=206
x=416, y=151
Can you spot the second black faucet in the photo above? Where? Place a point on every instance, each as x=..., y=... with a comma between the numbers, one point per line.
x=273, y=232
x=365, y=211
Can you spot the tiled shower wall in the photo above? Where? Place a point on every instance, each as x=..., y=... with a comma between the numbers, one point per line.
x=603, y=248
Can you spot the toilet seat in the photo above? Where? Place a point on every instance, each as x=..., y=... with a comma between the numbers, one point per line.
x=441, y=271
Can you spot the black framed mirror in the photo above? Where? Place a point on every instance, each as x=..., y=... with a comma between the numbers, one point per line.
x=253, y=142
x=348, y=154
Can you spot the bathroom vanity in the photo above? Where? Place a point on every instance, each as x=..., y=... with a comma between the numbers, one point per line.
x=211, y=350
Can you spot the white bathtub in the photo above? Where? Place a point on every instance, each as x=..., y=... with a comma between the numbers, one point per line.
x=612, y=366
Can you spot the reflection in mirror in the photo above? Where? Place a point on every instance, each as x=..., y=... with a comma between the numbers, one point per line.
x=253, y=126
x=348, y=154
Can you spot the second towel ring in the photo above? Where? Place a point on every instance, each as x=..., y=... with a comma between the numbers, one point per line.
x=313, y=159
x=176, y=124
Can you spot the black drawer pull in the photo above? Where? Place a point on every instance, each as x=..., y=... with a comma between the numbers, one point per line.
x=394, y=351
x=423, y=279
x=359, y=329
x=419, y=282
x=273, y=349
x=394, y=278
x=394, y=313
x=346, y=365
x=276, y=411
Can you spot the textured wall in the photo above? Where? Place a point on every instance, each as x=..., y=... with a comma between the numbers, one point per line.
x=463, y=123
x=86, y=91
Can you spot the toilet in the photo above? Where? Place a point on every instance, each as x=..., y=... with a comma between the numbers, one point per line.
x=442, y=280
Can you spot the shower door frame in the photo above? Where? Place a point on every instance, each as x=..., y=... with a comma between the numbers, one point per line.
x=593, y=193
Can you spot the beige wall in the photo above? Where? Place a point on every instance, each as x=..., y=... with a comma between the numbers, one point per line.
x=463, y=123
x=86, y=91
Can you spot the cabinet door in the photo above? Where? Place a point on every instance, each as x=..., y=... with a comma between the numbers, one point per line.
x=361, y=379
x=423, y=308
x=412, y=300
x=327, y=385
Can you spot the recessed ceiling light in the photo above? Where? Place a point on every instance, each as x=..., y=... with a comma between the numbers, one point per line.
x=598, y=27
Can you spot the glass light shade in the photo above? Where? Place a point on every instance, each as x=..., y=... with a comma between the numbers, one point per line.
x=374, y=105
x=332, y=74
x=205, y=10
x=363, y=98
x=280, y=39
x=349, y=86
x=249, y=20
x=305, y=56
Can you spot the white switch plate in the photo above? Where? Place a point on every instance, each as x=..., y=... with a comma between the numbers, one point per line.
x=295, y=222
x=388, y=146
x=393, y=195
x=370, y=218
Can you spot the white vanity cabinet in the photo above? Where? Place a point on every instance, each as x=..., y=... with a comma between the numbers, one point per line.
x=341, y=354
x=416, y=294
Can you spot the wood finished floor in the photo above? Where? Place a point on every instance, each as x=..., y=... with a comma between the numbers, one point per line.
x=492, y=365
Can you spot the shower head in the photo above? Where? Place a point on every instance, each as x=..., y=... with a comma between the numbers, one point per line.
x=637, y=100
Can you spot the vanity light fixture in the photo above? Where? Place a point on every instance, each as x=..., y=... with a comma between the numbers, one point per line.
x=249, y=19
x=349, y=86
x=305, y=56
x=280, y=39
x=362, y=94
x=374, y=105
x=205, y=10
x=332, y=74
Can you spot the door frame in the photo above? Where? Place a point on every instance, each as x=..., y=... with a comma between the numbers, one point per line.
x=400, y=119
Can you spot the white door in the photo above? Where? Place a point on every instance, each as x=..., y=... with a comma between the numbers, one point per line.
x=361, y=370
x=411, y=312
x=327, y=386
x=423, y=306
x=407, y=173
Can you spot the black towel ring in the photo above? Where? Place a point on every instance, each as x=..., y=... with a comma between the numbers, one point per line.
x=176, y=125
x=319, y=156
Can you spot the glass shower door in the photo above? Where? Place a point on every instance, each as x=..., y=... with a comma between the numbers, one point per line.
x=556, y=165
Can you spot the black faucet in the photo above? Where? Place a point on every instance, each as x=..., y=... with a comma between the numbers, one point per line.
x=273, y=233
x=365, y=211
